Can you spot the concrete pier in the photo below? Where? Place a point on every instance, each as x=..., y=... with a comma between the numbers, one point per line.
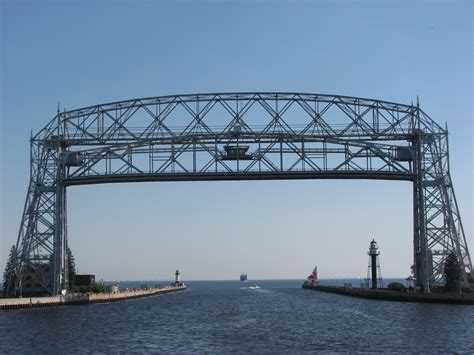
x=387, y=295
x=80, y=298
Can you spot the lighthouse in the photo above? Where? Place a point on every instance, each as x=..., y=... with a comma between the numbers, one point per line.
x=176, y=280
x=373, y=253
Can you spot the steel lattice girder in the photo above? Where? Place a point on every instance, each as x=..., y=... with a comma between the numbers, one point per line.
x=237, y=136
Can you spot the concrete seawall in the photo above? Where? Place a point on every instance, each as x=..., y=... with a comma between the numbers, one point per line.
x=386, y=295
x=79, y=298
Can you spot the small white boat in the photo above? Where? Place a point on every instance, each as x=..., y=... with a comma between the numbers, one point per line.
x=254, y=287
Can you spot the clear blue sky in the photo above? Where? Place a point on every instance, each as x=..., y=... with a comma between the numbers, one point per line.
x=87, y=52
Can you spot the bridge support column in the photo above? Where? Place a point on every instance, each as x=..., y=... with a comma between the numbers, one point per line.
x=60, y=272
x=420, y=247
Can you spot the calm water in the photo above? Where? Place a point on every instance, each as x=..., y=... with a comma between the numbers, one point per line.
x=228, y=316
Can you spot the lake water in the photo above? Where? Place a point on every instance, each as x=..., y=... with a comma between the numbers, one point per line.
x=221, y=316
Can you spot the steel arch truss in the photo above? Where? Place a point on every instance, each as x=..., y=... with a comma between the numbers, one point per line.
x=239, y=136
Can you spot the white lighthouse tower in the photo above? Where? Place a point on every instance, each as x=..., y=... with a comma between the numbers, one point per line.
x=176, y=281
x=374, y=265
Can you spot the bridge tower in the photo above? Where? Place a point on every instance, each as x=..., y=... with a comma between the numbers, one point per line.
x=237, y=136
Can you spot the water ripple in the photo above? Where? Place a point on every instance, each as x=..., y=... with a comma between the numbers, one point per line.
x=224, y=316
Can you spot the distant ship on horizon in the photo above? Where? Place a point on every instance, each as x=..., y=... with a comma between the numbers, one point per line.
x=243, y=277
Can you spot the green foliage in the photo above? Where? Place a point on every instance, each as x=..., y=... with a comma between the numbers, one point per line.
x=9, y=275
x=396, y=286
x=92, y=289
x=71, y=264
x=452, y=273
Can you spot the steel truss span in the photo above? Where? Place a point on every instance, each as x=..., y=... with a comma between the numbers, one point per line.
x=237, y=136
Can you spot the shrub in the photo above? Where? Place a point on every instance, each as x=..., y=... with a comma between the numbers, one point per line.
x=396, y=286
x=93, y=289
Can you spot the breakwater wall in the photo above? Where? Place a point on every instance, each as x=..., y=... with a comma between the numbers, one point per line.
x=80, y=298
x=387, y=295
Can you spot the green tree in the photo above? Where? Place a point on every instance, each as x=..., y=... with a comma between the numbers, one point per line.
x=71, y=264
x=9, y=275
x=452, y=273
